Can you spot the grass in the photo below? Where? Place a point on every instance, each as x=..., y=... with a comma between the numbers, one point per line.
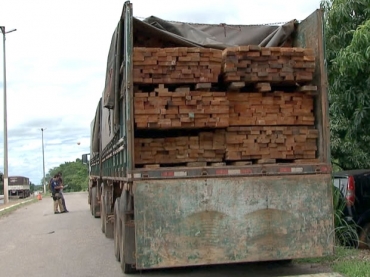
x=353, y=268
x=12, y=209
x=350, y=262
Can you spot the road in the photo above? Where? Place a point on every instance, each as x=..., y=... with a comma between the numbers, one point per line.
x=36, y=242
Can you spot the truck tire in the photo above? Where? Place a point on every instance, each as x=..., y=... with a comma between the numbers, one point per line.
x=90, y=202
x=126, y=268
x=102, y=212
x=364, y=238
x=94, y=200
x=109, y=228
x=106, y=224
x=117, y=230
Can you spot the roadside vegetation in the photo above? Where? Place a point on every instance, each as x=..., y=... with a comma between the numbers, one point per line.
x=12, y=209
x=75, y=175
x=347, y=259
x=347, y=45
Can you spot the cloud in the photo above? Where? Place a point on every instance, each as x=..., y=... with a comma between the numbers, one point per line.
x=56, y=63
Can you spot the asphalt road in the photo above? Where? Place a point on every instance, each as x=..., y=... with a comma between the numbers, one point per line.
x=36, y=242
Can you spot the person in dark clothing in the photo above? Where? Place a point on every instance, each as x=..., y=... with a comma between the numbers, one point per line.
x=61, y=192
x=55, y=188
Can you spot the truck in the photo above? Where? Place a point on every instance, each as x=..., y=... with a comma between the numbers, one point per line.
x=210, y=143
x=19, y=186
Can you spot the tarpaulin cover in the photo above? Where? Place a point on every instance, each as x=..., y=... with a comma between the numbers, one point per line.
x=216, y=35
x=180, y=34
x=183, y=34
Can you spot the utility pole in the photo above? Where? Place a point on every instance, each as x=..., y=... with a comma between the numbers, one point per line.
x=5, y=176
x=43, y=159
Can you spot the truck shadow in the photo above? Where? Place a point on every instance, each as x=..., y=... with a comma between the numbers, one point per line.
x=260, y=269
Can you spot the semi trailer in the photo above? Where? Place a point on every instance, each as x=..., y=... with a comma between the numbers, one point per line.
x=210, y=143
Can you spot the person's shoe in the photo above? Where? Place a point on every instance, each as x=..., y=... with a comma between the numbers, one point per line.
x=56, y=212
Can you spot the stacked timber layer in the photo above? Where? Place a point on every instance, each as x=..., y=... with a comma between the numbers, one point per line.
x=278, y=108
x=184, y=88
x=183, y=108
x=176, y=65
x=260, y=144
x=206, y=146
x=273, y=64
x=280, y=142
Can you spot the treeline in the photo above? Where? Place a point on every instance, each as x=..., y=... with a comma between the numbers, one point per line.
x=75, y=175
x=347, y=39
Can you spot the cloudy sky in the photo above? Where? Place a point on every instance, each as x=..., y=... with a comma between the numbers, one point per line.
x=56, y=65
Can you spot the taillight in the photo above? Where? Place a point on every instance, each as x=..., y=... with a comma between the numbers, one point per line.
x=350, y=195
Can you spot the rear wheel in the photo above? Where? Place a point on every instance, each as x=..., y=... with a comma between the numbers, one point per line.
x=117, y=230
x=89, y=200
x=106, y=223
x=364, y=237
x=126, y=268
x=94, y=202
x=102, y=213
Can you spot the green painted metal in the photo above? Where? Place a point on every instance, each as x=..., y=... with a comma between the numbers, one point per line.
x=128, y=84
x=216, y=220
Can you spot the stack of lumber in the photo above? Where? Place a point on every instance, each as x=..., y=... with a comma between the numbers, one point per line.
x=173, y=91
x=283, y=65
x=205, y=147
x=271, y=143
x=176, y=65
x=278, y=108
x=183, y=108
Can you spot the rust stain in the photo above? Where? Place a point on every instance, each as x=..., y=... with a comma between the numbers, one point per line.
x=194, y=222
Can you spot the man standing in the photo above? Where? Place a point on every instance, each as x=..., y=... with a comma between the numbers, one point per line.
x=55, y=187
x=61, y=192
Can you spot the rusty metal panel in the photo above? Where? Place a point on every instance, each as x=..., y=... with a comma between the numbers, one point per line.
x=226, y=220
x=310, y=33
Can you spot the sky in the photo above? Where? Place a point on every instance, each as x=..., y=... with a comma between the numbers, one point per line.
x=56, y=62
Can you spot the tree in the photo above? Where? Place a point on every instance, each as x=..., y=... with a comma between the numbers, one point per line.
x=32, y=187
x=347, y=33
x=75, y=175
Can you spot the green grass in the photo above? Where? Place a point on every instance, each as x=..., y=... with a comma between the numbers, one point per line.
x=12, y=209
x=347, y=261
x=353, y=268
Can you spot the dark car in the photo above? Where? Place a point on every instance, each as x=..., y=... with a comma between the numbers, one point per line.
x=354, y=186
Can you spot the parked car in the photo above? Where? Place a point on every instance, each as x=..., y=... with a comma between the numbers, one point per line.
x=354, y=186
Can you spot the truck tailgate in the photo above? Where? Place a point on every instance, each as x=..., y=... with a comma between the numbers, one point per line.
x=226, y=220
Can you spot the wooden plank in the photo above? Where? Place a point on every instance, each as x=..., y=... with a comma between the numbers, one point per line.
x=263, y=87
x=176, y=65
x=196, y=164
x=203, y=86
x=266, y=161
x=241, y=163
x=152, y=166
x=235, y=86
x=275, y=64
x=217, y=164
x=181, y=109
